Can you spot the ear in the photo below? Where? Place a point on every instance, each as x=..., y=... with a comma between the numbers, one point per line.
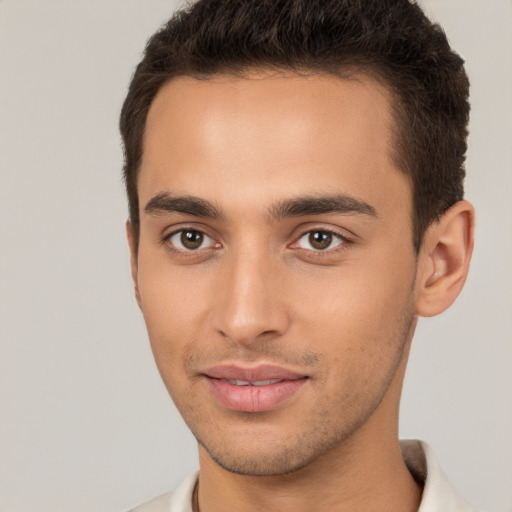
x=443, y=262
x=132, y=243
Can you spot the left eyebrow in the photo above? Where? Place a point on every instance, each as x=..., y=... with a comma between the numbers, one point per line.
x=319, y=205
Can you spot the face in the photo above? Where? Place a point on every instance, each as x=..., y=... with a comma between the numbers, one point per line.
x=275, y=266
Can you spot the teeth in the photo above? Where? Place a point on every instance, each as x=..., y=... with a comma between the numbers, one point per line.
x=254, y=383
x=265, y=382
x=239, y=382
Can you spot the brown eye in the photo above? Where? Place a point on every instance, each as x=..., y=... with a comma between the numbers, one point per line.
x=319, y=240
x=190, y=240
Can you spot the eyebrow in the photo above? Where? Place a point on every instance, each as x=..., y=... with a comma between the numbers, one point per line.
x=188, y=205
x=164, y=203
x=320, y=205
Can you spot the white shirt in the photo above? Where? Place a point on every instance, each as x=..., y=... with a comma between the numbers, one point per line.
x=438, y=495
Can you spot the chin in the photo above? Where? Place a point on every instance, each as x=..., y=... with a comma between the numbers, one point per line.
x=274, y=457
x=262, y=465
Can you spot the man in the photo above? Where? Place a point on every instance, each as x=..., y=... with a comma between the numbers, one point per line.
x=295, y=176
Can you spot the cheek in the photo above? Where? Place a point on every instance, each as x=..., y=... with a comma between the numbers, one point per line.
x=358, y=314
x=354, y=296
x=171, y=295
x=173, y=307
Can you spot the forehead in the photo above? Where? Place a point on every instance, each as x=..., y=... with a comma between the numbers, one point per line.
x=296, y=133
x=275, y=107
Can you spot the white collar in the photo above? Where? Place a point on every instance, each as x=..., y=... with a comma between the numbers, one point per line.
x=438, y=494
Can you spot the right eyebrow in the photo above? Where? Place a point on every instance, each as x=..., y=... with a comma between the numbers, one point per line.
x=164, y=203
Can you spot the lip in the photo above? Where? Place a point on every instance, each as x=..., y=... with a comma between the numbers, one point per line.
x=253, y=389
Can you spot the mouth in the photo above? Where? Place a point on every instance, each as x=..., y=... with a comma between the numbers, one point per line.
x=257, y=389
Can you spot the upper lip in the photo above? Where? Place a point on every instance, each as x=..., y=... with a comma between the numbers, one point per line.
x=258, y=373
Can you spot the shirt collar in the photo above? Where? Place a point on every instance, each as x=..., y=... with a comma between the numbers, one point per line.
x=438, y=494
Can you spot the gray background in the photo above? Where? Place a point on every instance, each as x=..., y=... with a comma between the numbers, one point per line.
x=85, y=423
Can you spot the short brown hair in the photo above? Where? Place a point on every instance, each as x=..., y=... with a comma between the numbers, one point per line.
x=391, y=40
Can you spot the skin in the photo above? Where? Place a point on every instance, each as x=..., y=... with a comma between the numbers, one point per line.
x=259, y=289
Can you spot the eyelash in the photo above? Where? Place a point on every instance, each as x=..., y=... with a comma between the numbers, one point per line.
x=343, y=242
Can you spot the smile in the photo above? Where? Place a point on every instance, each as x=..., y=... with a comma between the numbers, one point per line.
x=253, y=389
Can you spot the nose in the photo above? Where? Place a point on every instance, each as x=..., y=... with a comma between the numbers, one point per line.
x=250, y=305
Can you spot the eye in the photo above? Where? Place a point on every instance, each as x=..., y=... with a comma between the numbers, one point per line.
x=319, y=240
x=190, y=240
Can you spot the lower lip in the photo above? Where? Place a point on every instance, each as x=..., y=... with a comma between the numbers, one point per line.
x=253, y=398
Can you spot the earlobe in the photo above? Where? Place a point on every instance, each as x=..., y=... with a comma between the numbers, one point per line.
x=444, y=259
x=132, y=243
